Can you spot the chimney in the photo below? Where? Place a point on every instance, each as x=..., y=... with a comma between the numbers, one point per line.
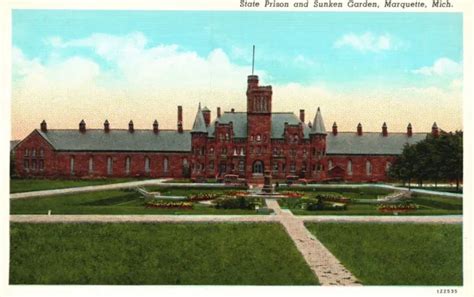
x=435, y=130
x=44, y=126
x=384, y=129
x=155, y=127
x=180, y=119
x=302, y=115
x=207, y=116
x=310, y=125
x=82, y=126
x=232, y=110
x=409, y=130
x=106, y=126
x=218, y=112
x=334, y=129
x=359, y=129
x=130, y=127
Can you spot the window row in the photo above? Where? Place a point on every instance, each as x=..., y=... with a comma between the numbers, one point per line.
x=127, y=165
x=34, y=152
x=33, y=165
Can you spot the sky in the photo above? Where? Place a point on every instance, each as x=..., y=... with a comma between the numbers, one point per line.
x=69, y=65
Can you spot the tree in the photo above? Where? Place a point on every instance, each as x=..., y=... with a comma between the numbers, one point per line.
x=434, y=158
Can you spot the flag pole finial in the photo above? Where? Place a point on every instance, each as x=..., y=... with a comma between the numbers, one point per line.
x=253, y=59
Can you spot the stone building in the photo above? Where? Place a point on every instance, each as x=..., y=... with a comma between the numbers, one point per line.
x=239, y=143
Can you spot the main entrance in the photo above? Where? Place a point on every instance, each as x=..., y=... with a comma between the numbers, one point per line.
x=257, y=167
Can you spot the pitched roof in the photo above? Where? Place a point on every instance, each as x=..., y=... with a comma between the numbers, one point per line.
x=119, y=140
x=318, y=124
x=13, y=144
x=369, y=143
x=239, y=123
x=199, y=123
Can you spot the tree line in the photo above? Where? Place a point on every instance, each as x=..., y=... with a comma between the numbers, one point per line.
x=433, y=159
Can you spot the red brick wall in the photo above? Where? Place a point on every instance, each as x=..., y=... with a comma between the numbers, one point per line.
x=359, y=174
x=288, y=151
x=35, y=142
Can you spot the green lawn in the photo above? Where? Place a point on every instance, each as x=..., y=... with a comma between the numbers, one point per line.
x=29, y=185
x=159, y=254
x=113, y=202
x=396, y=254
x=353, y=193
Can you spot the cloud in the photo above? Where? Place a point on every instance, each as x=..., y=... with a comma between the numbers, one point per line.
x=367, y=42
x=441, y=67
x=145, y=81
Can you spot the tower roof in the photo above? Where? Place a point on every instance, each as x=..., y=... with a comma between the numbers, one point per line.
x=318, y=124
x=199, y=123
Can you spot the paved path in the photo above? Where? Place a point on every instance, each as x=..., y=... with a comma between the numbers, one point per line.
x=447, y=219
x=383, y=186
x=140, y=218
x=125, y=185
x=322, y=262
x=86, y=189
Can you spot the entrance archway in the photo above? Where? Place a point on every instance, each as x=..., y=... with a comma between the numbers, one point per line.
x=258, y=167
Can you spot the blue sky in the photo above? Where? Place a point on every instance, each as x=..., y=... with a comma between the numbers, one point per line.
x=279, y=37
x=324, y=54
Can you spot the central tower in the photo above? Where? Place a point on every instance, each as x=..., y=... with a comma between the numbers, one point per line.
x=259, y=127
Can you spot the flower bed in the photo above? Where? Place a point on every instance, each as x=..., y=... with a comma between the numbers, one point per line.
x=290, y=194
x=237, y=193
x=202, y=197
x=397, y=207
x=168, y=204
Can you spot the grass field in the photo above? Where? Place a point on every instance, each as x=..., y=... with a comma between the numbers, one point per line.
x=396, y=254
x=113, y=202
x=159, y=254
x=29, y=185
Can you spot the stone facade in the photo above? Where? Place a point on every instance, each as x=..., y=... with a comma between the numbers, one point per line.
x=245, y=144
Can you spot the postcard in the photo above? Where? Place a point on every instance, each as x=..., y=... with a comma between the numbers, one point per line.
x=237, y=147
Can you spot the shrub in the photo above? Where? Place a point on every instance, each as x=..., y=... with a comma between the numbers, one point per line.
x=237, y=203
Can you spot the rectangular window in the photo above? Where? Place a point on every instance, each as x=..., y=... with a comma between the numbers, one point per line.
x=147, y=165
x=165, y=165
x=109, y=166
x=41, y=152
x=241, y=166
x=292, y=167
x=71, y=166
x=91, y=165
x=41, y=165
x=26, y=165
x=27, y=152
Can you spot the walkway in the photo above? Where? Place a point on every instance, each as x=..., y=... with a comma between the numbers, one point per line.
x=440, y=219
x=116, y=186
x=321, y=261
x=125, y=185
x=383, y=186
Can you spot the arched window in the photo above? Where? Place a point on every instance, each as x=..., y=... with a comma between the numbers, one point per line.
x=128, y=164
x=211, y=150
x=349, y=167
x=147, y=165
x=91, y=165
x=110, y=166
x=27, y=152
x=368, y=168
x=235, y=151
x=41, y=152
x=242, y=152
x=330, y=164
x=165, y=165
x=71, y=165
x=295, y=137
x=259, y=137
